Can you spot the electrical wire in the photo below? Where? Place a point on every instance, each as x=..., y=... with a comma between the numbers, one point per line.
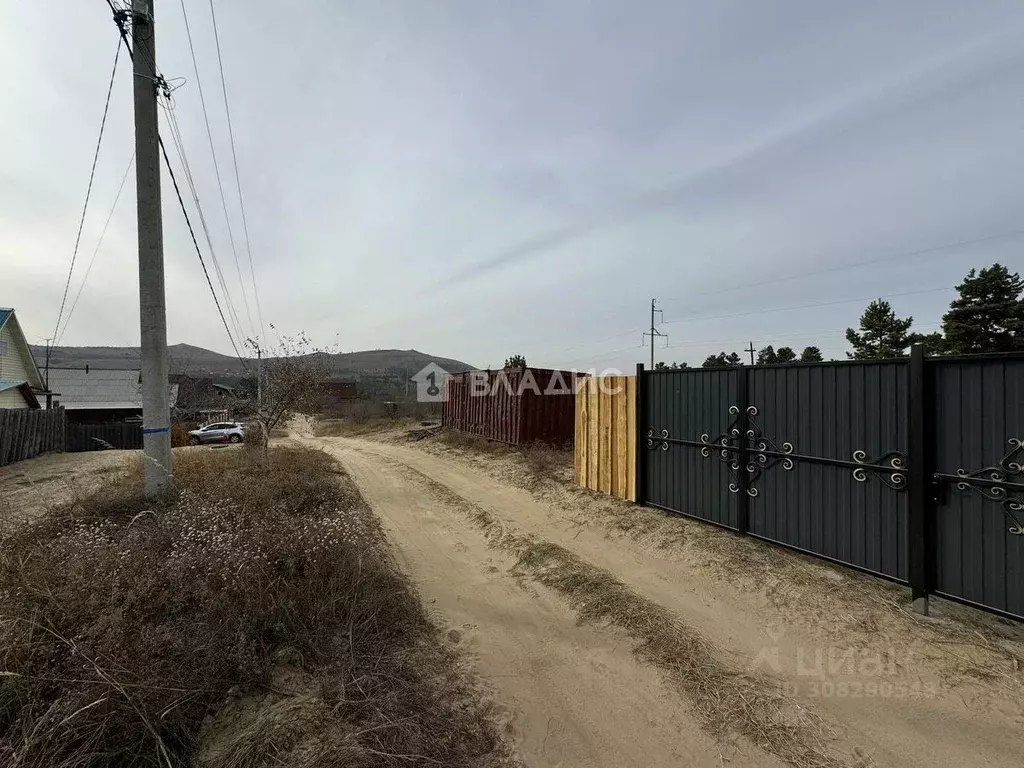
x=88, y=190
x=195, y=242
x=216, y=166
x=807, y=306
x=234, y=159
x=179, y=146
x=96, y=251
x=875, y=260
x=764, y=312
x=119, y=17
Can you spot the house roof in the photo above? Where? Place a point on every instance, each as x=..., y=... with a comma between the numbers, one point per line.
x=26, y=391
x=81, y=388
x=7, y=317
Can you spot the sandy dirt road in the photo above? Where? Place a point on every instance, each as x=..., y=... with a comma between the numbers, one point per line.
x=577, y=696
x=571, y=695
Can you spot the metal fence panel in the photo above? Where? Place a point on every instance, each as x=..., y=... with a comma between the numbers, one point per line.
x=830, y=412
x=979, y=409
x=687, y=405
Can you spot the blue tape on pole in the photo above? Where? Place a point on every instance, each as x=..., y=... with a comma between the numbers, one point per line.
x=155, y=430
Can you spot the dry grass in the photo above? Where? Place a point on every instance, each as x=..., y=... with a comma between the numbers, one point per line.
x=262, y=596
x=536, y=464
x=348, y=427
x=729, y=702
x=964, y=644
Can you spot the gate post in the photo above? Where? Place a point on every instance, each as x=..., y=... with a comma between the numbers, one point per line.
x=742, y=454
x=640, y=455
x=920, y=497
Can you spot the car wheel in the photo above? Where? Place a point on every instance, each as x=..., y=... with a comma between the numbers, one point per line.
x=193, y=440
x=235, y=438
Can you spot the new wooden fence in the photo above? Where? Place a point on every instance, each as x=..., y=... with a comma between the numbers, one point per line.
x=606, y=435
x=27, y=432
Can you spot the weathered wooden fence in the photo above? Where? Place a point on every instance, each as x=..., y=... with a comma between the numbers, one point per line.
x=606, y=435
x=28, y=432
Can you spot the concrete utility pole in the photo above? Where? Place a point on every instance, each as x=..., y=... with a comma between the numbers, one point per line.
x=751, y=350
x=259, y=378
x=654, y=332
x=156, y=415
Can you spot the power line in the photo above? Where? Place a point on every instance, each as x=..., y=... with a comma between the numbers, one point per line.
x=894, y=256
x=867, y=262
x=183, y=157
x=181, y=202
x=99, y=242
x=216, y=166
x=88, y=190
x=807, y=306
x=234, y=159
x=120, y=17
x=761, y=312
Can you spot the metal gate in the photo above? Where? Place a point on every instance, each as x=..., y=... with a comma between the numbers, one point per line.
x=907, y=469
x=978, y=538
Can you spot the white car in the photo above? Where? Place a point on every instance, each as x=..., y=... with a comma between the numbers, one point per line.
x=222, y=432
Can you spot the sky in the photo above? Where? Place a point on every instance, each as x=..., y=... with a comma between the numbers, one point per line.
x=481, y=178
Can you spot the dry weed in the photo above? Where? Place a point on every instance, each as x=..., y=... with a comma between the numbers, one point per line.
x=125, y=625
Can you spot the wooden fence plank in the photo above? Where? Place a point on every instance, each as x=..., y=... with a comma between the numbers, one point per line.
x=4, y=435
x=604, y=469
x=605, y=451
x=631, y=437
x=580, y=442
x=619, y=440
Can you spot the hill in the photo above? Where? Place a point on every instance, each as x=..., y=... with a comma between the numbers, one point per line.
x=371, y=364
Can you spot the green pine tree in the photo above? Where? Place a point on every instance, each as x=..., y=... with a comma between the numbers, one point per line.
x=767, y=356
x=785, y=355
x=516, y=361
x=811, y=355
x=722, y=360
x=988, y=313
x=882, y=334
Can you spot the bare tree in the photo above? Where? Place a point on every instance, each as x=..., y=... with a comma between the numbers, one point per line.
x=293, y=376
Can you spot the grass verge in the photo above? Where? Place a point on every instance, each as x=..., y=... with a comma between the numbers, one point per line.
x=255, y=620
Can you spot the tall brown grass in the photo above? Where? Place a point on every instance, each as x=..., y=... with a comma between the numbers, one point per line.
x=261, y=602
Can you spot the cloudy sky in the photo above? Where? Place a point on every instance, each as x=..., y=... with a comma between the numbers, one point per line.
x=477, y=178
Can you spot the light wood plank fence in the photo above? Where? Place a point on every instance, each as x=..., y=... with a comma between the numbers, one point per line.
x=605, y=453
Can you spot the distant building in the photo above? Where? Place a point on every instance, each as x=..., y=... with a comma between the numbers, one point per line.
x=20, y=381
x=98, y=395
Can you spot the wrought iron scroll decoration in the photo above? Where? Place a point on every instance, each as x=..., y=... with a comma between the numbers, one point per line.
x=1008, y=466
x=725, y=448
x=895, y=460
x=760, y=461
x=725, y=445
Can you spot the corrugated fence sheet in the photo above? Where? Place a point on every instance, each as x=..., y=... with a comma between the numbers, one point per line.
x=514, y=405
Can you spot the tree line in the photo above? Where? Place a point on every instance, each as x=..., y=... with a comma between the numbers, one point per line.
x=987, y=315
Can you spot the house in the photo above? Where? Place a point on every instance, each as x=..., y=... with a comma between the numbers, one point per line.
x=20, y=381
x=201, y=401
x=98, y=395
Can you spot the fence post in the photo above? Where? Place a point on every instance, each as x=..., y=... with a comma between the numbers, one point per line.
x=920, y=498
x=640, y=458
x=742, y=453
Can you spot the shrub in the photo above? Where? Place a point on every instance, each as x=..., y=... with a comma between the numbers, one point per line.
x=123, y=626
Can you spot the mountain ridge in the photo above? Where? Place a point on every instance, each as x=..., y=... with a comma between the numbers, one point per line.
x=198, y=361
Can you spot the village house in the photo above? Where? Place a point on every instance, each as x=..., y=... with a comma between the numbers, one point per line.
x=20, y=381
